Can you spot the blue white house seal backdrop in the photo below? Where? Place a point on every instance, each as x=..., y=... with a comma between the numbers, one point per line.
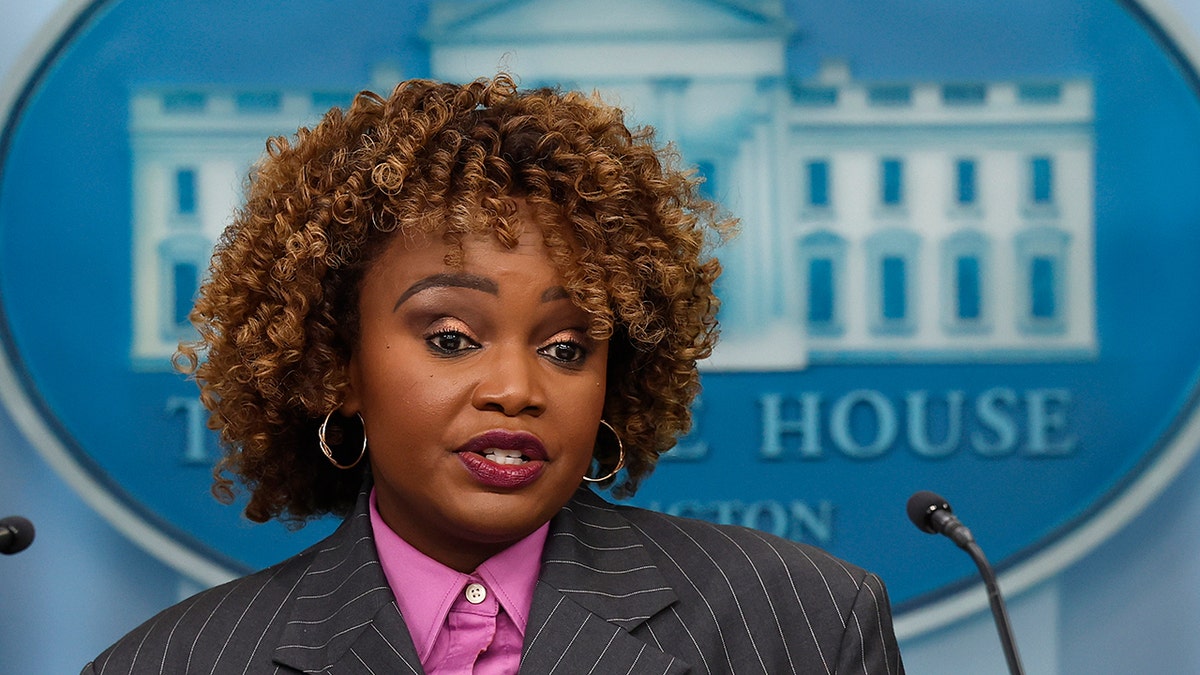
x=966, y=261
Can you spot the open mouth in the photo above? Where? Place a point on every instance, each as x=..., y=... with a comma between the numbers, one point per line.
x=503, y=459
x=503, y=456
x=506, y=447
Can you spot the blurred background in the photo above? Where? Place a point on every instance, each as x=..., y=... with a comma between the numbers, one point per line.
x=967, y=264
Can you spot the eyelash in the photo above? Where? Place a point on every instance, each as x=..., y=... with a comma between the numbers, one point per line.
x=435, y=344
x=580, y=357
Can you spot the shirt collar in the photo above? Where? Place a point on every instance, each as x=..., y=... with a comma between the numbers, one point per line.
x=425, y=589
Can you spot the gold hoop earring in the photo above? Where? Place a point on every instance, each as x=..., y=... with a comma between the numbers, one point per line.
x=620, y=459
x=328, y=451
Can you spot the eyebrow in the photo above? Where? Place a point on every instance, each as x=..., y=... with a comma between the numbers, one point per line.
x=555, y=293
x=449, y=280
x=470, y=281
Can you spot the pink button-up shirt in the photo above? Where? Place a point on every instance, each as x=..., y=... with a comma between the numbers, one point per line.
x=462, y=623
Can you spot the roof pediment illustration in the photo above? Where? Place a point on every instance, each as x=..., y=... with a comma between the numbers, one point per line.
x=492, y=21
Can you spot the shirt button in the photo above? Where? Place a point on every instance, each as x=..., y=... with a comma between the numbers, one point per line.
x=476, y=593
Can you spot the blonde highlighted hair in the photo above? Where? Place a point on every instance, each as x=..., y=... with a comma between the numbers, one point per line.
x=278, y=315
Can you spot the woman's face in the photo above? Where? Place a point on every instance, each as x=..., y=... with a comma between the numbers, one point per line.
x=480, y=389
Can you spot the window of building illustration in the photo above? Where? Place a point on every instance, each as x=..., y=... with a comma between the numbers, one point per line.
x=891, y=182
x=183, y=102
x=1041, y=181
x=966, y=182
x=1042, y=264
x=181, y=259
x=822, y=259
x=892, y=277
x=973, y=94
x=1043, y=300
x=821, y=294
x=967, y=288
x=964, y=282
x=890, y=95
x=185, y=191
x=817, y=184
x=814, y=96
x=894, y=288
x=186, y=281
x=1040, y=93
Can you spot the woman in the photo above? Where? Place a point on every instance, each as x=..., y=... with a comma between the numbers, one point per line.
x=442, y=315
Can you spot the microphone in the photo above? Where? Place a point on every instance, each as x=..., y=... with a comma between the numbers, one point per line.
x=16, y=534
x=931, y=513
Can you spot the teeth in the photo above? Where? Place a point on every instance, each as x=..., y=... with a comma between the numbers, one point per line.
x=504, y=456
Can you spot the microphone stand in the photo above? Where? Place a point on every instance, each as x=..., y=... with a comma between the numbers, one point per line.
x=999, y=613
x=932, y=514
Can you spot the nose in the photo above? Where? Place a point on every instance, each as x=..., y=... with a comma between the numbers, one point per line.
x=511, y=382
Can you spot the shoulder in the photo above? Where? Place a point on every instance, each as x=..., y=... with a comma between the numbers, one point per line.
x=745, y=596
x=223, y=615
x=694, y=543
x=733, y=566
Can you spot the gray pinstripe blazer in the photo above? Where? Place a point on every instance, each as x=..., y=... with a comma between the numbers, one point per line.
x=622, y=590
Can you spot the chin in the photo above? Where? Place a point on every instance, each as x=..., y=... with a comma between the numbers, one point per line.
x=511, y=519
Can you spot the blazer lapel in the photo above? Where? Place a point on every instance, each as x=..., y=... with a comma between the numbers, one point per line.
x=597, y=585
x=344, y=617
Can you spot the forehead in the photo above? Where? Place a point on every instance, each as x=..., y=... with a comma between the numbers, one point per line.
x=512, y=273
x=508, y=222
x=415, y=254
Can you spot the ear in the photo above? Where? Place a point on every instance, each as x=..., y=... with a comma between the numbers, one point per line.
x=352, y=396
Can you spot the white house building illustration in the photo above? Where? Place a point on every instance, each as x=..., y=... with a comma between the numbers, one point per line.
x=192, y=148
x=881, y=221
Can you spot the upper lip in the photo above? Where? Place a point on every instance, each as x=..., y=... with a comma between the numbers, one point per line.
x=502, y=439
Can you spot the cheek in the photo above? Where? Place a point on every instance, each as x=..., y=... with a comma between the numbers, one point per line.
x=386, y=385
x=585, y=412
x=427, y=399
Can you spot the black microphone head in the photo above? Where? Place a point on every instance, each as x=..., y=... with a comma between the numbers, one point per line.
x=922, y=505
x=18, y=534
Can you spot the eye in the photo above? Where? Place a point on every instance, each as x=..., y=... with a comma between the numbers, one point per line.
x=565, y=351
x=450, y=342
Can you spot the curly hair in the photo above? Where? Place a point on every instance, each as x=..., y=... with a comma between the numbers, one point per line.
x=278, y=315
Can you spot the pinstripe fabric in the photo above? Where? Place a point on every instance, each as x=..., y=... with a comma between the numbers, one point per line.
x=326, y=610
x=704, y=597
x=622, y=590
